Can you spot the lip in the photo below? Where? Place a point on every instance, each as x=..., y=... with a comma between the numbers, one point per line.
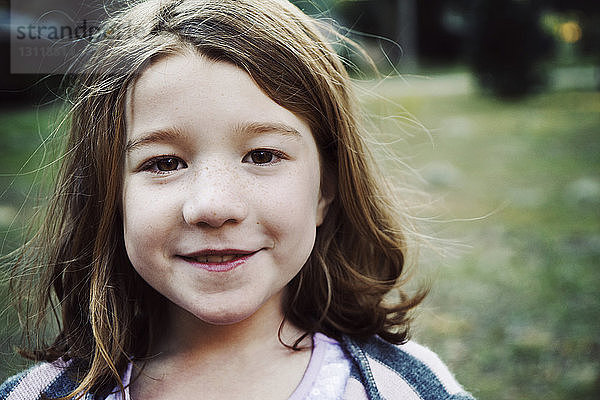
x=209, y=259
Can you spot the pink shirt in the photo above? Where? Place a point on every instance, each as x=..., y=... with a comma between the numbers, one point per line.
x=325, y=377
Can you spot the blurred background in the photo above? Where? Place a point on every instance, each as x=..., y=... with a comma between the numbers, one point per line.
x=495, y=104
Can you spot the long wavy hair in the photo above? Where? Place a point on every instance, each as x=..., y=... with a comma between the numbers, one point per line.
x=75, y=266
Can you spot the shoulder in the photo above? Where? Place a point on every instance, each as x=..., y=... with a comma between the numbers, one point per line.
x=402, y=371
x=44, y=379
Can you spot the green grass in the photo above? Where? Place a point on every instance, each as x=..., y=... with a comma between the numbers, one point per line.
x=24, y=150
x=516, y=311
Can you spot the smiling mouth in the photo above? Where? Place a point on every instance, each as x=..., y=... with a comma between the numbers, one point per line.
x=216, y=259
x=219, y=261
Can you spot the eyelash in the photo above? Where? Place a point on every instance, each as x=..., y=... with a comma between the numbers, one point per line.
x=278, y=156
x=152, y=164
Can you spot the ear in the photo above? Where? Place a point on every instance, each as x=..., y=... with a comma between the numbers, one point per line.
x=326, y=196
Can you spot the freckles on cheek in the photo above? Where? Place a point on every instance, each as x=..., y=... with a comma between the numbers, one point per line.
x=149, y=219
x=136, y=224
x=296, y=209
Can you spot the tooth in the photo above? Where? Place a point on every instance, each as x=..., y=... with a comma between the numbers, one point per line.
x=216, y=258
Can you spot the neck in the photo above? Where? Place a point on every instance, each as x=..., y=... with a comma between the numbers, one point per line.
x=195, y=357
x=189, y=337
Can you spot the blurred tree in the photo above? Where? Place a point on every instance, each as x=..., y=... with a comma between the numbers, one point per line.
x=374, y=19
x=401, y=32
x=506, y=45
x=406, y=33
x=411, y=31
x=588, y=15
x=442, y=27
x=588, y=12
x=315, y=7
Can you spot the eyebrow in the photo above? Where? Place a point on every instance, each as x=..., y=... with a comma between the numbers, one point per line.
x=259, y=128
x=174, y=134
x=157, y=136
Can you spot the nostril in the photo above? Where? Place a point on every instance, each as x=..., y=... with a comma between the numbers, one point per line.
x=201, y=210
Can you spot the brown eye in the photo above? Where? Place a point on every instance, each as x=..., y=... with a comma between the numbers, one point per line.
x=167, y=164
x=261, y=157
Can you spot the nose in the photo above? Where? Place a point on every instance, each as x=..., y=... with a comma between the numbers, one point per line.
x=214, y=198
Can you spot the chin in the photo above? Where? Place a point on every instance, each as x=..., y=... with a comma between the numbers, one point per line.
x=229, y=319
x=230, y=316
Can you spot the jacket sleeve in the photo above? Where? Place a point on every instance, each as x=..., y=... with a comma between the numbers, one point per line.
x=8, y=386
x=409, y=371
x=48, y=379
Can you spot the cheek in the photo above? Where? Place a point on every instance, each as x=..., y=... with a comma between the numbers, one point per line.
x=132, y=233
x=144, y=223
x=292, y=214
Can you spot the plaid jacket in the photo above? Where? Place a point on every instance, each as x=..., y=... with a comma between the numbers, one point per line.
x=380, y=371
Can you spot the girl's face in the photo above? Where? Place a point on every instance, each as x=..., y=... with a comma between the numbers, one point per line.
x=221, y=196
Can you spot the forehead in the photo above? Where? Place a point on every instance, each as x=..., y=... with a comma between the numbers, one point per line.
x=190, y=91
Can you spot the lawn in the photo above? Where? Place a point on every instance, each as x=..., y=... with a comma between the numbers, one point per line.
x=514, y=196
x=515, y=308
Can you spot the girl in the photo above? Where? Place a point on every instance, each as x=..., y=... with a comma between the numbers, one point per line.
x=218, y=229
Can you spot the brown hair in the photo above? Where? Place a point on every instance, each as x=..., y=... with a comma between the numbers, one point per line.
x=78, y=256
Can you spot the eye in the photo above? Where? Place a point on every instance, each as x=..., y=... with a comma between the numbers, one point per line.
x=165, y=164
x=262, y=157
